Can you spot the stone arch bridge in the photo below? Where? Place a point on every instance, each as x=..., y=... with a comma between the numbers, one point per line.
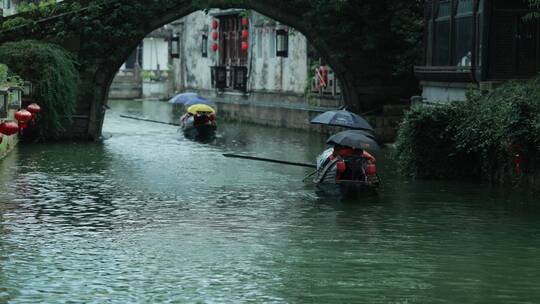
x=356, y=38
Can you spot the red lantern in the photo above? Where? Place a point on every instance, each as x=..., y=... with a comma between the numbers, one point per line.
x=9, y=128
x=215, y=47
x=23, y=117
x=245, y=21
x=245, y=46
x=245, y=34
x=215, y=24
x=34, y=109
x=215, y=36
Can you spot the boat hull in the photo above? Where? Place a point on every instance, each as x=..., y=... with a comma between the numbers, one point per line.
x=203, y=131
x=196, y=131
x=328, y=181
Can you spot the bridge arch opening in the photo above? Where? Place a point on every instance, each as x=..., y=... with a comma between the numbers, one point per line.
x=233, y=51
x=278, y=57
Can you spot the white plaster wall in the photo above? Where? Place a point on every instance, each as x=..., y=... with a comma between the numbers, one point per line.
x=278, y=74
x=193, y=67
x=8, y=11
x=432, y=93
x=268, y=73
x=155, y=51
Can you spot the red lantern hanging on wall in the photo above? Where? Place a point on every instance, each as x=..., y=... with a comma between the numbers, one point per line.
x=215, y=47
x=245, y=34
x=9, y=128
x=23, y=117
x=215, y=36
x=245, y=46
x=215, y=24
x=245, y=21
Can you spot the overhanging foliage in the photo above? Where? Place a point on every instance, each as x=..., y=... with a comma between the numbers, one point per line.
x=54, y=76
x=474, y=138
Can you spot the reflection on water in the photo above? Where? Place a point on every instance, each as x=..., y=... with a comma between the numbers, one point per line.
x=148, y=216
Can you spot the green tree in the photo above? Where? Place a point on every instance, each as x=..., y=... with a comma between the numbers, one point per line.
x=55, y=78
x=535, y=9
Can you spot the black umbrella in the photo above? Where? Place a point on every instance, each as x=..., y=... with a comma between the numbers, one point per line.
x=343, y=118
x=355, y=139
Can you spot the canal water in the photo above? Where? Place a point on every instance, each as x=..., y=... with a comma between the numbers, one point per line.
x=150, y=217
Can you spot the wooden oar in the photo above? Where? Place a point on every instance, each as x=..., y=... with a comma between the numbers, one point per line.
x=276, y=161
x=149, y=120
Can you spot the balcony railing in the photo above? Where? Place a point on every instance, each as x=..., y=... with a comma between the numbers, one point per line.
x=331, y=88
x=229, y=78
x=445, y=73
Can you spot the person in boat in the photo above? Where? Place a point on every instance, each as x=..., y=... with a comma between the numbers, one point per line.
x=345, y=151
x=200, y=118
x=351, y=163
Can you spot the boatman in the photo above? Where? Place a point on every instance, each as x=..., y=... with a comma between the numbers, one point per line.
x=345, y=151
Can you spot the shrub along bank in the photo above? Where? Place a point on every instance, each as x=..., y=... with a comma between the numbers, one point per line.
x=55, y=79
x=492, y=136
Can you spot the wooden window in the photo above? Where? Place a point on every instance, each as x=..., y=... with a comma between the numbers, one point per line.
x=15, y=98
x=463, y=33
x=231, y=43
x=3, y=104
x=428, y=34
x=441, y=50
x=204, y=45
x=480, y=26
x=513, y=43
x=282, y=42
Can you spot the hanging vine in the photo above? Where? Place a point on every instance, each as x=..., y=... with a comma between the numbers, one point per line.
x=54, y=76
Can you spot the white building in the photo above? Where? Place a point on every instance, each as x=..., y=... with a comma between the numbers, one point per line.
x=8, y=7
x=228, y=53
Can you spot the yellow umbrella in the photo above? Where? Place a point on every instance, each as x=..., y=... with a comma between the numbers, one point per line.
x=201, y=109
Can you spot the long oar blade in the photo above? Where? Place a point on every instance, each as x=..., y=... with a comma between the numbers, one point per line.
x=276, y=161
x=149, y=120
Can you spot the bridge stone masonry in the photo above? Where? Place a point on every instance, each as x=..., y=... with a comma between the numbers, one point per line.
x=358, y=39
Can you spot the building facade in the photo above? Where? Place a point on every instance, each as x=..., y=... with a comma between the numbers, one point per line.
x=230, y=53
x=476, y=44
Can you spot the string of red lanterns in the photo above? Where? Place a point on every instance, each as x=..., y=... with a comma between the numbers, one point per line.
x=245, y=34
x=215, y=35
x=9, y=128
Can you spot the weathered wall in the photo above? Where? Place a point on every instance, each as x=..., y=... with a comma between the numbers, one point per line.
x=444, y=92
x=8, y=143
x=155, y=54
x=192, y=69
x=267, y=72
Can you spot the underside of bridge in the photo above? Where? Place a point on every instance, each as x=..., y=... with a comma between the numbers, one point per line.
x=358, y=41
